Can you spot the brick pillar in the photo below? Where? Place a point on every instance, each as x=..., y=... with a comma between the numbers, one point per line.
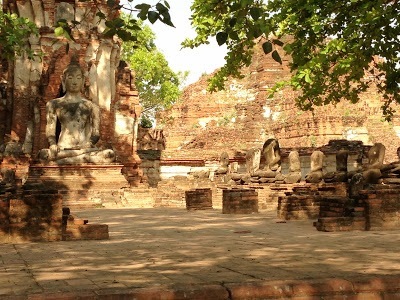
x=198, y=199
x=239, y=201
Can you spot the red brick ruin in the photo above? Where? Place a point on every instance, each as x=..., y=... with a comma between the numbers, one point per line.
x=178, y=163
x=29, y=85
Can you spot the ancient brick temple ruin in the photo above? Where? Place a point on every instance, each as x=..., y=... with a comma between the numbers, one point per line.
x=240, y=119
x=26, y=87
x=179, y=164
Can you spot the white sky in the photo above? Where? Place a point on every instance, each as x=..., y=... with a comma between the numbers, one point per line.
x=204, y=59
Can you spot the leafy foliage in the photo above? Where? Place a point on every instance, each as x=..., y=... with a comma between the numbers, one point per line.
x=157, y=84
x=145, y=122
x=14, y=34
x=117, y=25
x=338, y=48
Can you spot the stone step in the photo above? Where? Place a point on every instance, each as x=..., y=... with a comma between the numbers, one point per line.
x=332, y=224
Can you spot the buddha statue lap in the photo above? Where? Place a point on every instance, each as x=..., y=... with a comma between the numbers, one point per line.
x=373, y=170
x=270, y=162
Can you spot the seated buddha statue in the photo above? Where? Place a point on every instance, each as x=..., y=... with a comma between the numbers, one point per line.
x=270, y=161
x=79, y=119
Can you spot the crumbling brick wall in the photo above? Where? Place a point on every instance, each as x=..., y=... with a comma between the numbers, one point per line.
x=108, y=83
x=243, y=117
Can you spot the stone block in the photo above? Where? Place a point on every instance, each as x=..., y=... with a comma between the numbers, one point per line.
x=86, y=232
x=22, y=232
x=379, y=284
x=166, y=293
x=243, y=201
x=262, y=290
x=323, y=287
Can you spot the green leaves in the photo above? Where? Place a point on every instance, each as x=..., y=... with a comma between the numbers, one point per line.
x=157, y=84
x=332, y=44
x=267, y=47
x=160, y=12
x=152, y=16
x=221, y=38
x=117, y=26
x=275, y=55
x=255, y=13
x=143, y=10
x=14, y=34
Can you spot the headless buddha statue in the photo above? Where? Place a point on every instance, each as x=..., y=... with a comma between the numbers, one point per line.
x=79, y=119
x=270, y=161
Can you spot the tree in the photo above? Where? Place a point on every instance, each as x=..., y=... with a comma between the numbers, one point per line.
x=338, y=48
x=14, y=34
x=157, y=84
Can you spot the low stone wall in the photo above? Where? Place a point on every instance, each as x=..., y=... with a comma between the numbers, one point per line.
x=303, y=200
x=39, y=216
x=84, y=185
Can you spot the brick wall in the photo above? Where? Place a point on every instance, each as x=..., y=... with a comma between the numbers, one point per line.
x=242, y=117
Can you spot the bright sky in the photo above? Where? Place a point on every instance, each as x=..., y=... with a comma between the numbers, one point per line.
x=204, y=59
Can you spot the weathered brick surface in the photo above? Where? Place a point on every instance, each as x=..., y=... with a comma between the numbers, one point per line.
x=37, y=216
x=383, y=207
x=330, y=288
x=239, y=201
x=82, y=185
x=32, y=85
x=75, y=232
x=243, y=116
x=198, y=199
x=167, y=293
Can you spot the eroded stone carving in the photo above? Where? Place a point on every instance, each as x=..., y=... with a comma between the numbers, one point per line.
x=80, y=120
x=372, y=171
x=224, y=164
x=317, y=164
x=294, y=175
x=392, y=169
x=341, y=168
x=253, y=161
x=270, y=162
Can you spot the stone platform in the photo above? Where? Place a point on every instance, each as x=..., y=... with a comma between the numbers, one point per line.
x=204, y=254
x=85, y=185
x=38, y=216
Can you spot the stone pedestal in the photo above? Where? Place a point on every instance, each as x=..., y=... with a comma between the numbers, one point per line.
x=303, y=201
x=38, y=216
x=239, y=201
x=298, y=207
x=75, y=229
x=382, y=207
x=198, y=199
x=31, y=217
x=340, y=214
x=332, y=224
x=81, y=185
